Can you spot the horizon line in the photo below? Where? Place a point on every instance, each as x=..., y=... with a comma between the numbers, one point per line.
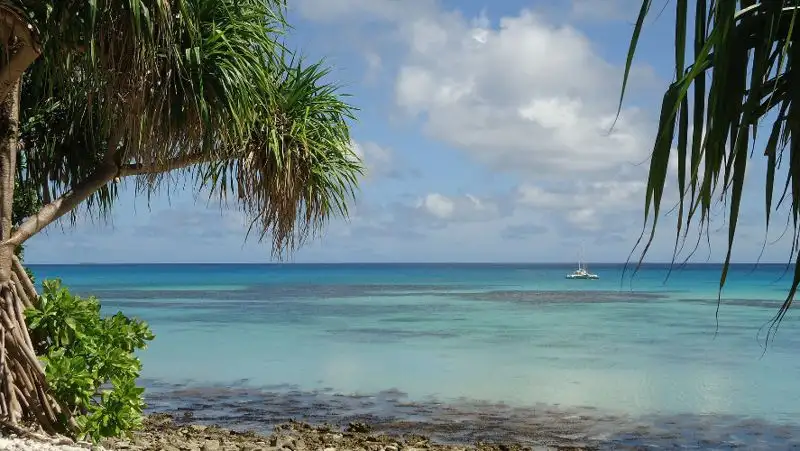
x=633, y=264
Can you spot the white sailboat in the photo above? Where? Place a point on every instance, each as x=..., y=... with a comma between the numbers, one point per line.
x=582, y=272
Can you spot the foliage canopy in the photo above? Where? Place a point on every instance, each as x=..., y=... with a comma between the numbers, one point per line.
x=202, y=88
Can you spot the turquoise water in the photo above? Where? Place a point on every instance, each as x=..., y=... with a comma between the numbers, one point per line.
x=513, y=335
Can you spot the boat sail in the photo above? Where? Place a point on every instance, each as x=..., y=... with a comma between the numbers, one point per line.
x=582, y=272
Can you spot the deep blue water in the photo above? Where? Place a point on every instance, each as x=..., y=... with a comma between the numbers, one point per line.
x=638, y=359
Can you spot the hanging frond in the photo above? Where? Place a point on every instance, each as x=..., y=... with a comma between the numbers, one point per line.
x=298, y=167
x=745, y=70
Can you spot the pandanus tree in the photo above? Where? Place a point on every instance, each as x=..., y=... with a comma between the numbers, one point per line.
x=96, y=91
x=736, y=90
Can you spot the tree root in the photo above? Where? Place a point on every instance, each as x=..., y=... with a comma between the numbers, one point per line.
x=24, y=393
x=20, y=431
x=23, y=432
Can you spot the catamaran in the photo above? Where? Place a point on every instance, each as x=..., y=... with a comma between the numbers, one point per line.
x=582, y=272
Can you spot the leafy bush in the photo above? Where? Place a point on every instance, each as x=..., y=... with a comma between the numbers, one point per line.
x=89, y=360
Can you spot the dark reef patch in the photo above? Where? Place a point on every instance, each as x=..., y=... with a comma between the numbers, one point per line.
x=465, y=421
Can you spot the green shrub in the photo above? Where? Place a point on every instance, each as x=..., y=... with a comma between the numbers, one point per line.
x=89, y=360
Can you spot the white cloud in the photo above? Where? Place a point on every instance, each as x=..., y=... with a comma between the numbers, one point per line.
x=523, y=94
x=586, y=204
x=609, y=194
x=584, y=218
x=377, y=160
x=374, y=66
x=552, y=113
x=526, y=96
x=519, y=95
x=531, y=98
x=437, y=205
x=465, y=208
x=381, y=162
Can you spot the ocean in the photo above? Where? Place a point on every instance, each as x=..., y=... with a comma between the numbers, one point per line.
x=503, y=351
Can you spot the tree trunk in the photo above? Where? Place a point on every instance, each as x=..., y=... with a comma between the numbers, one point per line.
x=24, y=395
x=25, y=398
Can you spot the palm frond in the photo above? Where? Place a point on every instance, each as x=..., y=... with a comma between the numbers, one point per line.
x=298, y=168
x=220, y=92
x=748, y=51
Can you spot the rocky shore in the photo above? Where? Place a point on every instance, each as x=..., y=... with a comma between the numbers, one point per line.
x=162, y=433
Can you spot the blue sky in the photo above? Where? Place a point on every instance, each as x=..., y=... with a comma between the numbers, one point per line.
x=483, y=128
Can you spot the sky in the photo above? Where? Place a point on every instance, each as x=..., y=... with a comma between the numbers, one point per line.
x=485, y=129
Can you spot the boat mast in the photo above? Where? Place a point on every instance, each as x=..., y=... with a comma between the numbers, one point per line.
x=584, y=266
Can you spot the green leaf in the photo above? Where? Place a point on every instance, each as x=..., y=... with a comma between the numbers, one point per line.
x=742, y=74
x=85, y=352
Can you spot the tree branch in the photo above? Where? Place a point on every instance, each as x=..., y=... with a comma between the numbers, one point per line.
x=62, y=205
x=80, y=192
x=165, y=166
x=16, y=66
x=26, y=52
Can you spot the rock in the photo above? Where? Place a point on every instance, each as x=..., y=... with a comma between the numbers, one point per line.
x=358, y=427
x=198, y=428
x=285, y=443
x=210, y=445
x=143, y=444
x=332, y=438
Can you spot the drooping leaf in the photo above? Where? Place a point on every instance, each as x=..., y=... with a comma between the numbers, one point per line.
x=745, y=72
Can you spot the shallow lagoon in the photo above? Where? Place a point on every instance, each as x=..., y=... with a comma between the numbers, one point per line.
x=634, y=360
